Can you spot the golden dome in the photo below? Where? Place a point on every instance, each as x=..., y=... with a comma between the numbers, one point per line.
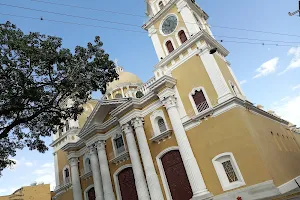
x=124, y=78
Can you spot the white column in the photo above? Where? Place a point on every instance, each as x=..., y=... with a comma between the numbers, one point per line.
x=216, y=76
x=96, y=173
x=193, y=172
x=77, y=192
x=156, y=42
x=139, y=177
x=105, y=173
x=56, y=169
x=151, y=176
x=122, y=90
x=188, y=18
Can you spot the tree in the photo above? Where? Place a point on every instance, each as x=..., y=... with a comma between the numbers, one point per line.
x=37, y=77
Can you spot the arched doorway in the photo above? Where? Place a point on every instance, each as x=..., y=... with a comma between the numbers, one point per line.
x=175, y=173
x=91, y=194
x=127, y=184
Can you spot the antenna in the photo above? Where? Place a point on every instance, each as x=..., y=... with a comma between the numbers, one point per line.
x=294, y=13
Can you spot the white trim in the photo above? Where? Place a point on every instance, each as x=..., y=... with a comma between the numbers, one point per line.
x=217, y=162
x=86, y=156
x=63, y=172
x=289, y=186
x=185, y=32
x=154, y=121
x=165, y=46
x=163, y=20
x=198, y=89
x=162, y=171
x=113, y=137
x=116, y=180
x=157, y=5
x=86, y=191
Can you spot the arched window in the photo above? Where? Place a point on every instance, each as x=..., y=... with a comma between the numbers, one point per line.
x=169, y=46
x=228, y=171
x=139, y=94
x=200, y=101
x=161, y=125
x=118, y=95
x=161, y=5
x=182, y=36
x=87, y=165
x=66, y=173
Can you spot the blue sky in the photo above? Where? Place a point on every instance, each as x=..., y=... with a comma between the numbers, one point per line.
x=270, y=87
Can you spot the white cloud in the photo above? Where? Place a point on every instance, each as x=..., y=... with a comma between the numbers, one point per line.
x=3, y=191
x=267, y=68
x=46, y=174
x=295, y=62
x=243, y=82
x=28, y=164
x=296, y=87
x=289, y=109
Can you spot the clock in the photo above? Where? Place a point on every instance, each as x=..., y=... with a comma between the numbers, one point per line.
x=169, y=25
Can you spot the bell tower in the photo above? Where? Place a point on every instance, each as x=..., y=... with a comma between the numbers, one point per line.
x=168, y=17
x=188, y=51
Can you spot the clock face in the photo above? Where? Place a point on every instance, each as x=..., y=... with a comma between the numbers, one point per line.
x=169, y=25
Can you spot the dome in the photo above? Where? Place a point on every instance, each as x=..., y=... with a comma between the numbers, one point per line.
x=124, y=77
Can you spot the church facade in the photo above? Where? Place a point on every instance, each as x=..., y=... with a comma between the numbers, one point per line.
x=187, y=133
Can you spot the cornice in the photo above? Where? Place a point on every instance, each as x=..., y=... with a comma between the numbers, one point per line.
x=229, y=104
x=200, y=35
x=73, y=146
x=164, y=82
x=70, y=132
x=152, y=20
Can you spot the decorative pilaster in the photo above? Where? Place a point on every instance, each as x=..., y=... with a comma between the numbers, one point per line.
x=104, y=168
x=96, y=173
x=77, y=192
x=56, y=169
x=216, y=76
x=151, y=176
x=139, y=177
x=193, y=172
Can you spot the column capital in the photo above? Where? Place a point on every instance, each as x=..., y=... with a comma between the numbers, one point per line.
x=92, y=149
x=127, y=129
x=169, y=101
x=73, y=161
x=100, y=144
x=137, y=122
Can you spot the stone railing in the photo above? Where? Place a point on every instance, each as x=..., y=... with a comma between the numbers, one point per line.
x=64, y=184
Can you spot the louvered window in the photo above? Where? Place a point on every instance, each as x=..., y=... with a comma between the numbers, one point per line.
x=182, y=36
x=169, y=46
x=200, y=101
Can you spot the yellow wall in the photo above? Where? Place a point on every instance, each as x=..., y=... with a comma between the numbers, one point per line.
x=90, y=105
x=37, y=192
x=68, y=195
x=192, y=74
x=62, y=162
x=226, y=133
x=279, y=151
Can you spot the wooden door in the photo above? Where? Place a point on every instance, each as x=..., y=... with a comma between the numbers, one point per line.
x=178, y=182
x=91, y=194
x=127, y=184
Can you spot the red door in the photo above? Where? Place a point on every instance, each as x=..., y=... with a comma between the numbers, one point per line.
x=127, y=184
x=91, y=194
x=176, y=176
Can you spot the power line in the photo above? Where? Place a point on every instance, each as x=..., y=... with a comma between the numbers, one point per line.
x=134, y=25
x=87, y=8
x=122, y=13
x=66, y=22
x=63, y=14
x=128, y=30
x=255, y=43
x=262, y=40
